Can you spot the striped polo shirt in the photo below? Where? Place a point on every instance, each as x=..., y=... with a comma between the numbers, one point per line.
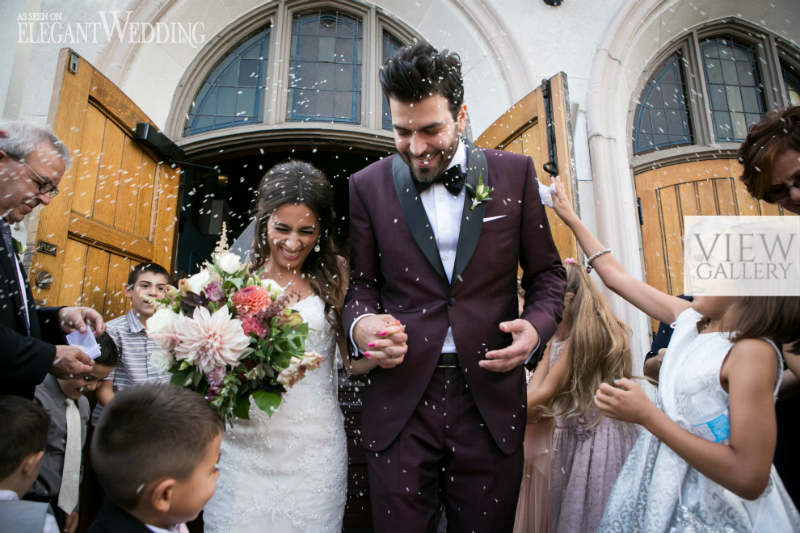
x=135, y=349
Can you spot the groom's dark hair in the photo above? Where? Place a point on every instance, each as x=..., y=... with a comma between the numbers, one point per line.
x=148, y=433
x=418, y=71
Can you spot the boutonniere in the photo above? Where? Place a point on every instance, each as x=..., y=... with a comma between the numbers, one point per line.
x=480, y=193
x=18, y=246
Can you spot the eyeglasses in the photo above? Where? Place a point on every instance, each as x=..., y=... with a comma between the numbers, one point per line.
x=780, y=192
x=46, y=185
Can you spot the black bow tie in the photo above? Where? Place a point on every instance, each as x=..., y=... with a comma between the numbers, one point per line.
x=452, y=179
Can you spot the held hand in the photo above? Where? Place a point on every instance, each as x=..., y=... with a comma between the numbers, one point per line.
x=524, y=339
x=382, y=338
x=70, y=361
x=625, y=401
x=561, y=202
x=71, y=523
x=79, y=318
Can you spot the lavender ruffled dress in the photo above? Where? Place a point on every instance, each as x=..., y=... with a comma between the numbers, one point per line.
x=586, y=462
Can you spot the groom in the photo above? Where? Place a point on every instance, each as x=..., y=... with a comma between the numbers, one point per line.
x=433, y=303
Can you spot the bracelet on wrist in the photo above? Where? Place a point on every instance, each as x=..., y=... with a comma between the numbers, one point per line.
x=595, y=256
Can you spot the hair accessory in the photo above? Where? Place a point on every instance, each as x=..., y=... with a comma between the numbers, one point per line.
x=569, y=260
x=595, y=256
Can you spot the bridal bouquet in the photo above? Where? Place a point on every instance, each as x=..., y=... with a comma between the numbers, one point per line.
x=230, y=336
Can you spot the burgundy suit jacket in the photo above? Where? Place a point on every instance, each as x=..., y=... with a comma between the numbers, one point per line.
x=396, y=269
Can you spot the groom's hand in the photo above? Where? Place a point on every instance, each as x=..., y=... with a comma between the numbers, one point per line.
x=524, y=339
x=382, y=339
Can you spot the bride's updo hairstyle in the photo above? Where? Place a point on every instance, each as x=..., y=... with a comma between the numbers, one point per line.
x=298, y=182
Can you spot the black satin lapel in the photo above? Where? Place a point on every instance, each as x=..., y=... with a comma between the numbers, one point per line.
x=11, y=274
x=415, y=215
x=471, y=220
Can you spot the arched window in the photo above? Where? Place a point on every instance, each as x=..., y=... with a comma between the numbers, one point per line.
x=734, y=87
x=298, y=65
x=707, y=89
x=234, y=91
x=791, y=81
x=325, y=67
x=661, y=116
x=390, y=46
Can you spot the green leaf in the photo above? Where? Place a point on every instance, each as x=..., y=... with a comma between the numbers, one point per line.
x=242, y=409
x=267, y=401
x=180, y=378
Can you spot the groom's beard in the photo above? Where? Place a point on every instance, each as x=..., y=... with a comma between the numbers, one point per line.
x=426, y=174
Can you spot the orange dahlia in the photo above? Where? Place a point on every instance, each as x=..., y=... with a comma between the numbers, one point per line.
x=250, y=300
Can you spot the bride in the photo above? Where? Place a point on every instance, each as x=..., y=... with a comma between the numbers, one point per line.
x=288, y=473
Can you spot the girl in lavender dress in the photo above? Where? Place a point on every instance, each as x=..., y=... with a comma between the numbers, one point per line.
x=704, y=462
x=589, y=347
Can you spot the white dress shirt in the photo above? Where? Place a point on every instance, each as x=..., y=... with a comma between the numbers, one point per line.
x=179, y=528
x=444, y=212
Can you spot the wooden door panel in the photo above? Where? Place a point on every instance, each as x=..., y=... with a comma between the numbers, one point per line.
x=87, y=163
x=74, y=269
x=95, y=278
x=671, y=222
x=707, y=197
x=522, y=130
x=144, y=198
x=127, y=185
x=108, y=175
x=668, y=194
x=115, y=302
x=118, y=204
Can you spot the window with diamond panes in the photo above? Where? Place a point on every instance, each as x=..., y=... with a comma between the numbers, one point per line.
x=662, y=119
x=325, y=68
x=390, y=46
x=233, y=94
x=734, y=87
x=791, y=81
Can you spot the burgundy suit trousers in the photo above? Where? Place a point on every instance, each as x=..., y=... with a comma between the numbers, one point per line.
x=444, y=455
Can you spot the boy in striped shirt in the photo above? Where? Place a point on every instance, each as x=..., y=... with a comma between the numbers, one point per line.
x=147, y=282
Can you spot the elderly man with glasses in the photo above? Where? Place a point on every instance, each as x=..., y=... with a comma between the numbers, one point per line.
x=32, y=162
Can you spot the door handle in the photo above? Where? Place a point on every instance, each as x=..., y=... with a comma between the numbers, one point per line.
x=43, y=279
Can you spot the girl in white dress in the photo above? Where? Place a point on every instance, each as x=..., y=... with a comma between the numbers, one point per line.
x=704, y=462
x=288, y=472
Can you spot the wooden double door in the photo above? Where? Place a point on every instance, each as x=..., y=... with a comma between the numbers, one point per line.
x=669, y=193
x=117, y=204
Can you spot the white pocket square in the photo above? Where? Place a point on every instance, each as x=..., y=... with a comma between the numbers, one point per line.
x=489, y=219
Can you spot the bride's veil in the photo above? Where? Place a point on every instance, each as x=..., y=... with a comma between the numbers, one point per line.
x=243, y=245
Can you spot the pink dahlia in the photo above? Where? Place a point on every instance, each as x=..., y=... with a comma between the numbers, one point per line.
x=255, y=326
x=209, y=341
x=251, y=300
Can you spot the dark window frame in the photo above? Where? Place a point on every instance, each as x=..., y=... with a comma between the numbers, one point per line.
x=213, y=83
x=770, y=52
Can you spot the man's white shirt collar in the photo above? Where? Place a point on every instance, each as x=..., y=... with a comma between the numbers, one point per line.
x=460, y=157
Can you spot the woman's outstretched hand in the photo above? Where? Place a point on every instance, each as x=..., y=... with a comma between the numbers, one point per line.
x=562, y=205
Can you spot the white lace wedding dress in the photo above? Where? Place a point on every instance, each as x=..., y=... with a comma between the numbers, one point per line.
x=287, y=473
